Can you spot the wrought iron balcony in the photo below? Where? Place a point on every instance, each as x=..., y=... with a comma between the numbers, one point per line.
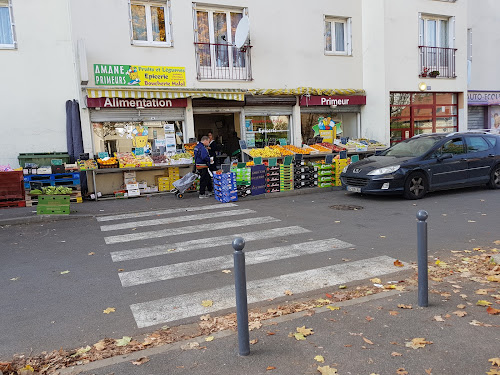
x=437, y=62
x=223, y=62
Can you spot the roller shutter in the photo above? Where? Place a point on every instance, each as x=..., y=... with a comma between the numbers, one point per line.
x=476, y=116
x=268, y=111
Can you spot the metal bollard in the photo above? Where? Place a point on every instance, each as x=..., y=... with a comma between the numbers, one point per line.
x=423, y=287
x=240, y=282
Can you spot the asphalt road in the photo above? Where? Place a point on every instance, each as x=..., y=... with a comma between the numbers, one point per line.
x=42, y=309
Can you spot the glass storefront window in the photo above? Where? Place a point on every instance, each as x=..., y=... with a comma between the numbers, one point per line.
x=261, y=131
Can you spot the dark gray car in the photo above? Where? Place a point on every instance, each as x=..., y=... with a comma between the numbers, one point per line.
x=427, y=163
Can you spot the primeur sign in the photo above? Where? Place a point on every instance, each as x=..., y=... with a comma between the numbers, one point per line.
x=338, y=100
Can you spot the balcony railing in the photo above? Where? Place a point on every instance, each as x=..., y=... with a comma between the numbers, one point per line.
x=434, y=60
x=223, y=61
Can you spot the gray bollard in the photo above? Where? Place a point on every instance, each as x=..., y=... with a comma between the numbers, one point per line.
x=240, y=282
x=423, y=287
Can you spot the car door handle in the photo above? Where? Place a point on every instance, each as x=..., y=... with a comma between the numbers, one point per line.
x=491, y=155
x=464, y=159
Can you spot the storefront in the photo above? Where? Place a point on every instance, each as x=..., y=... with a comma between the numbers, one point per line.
x=420, y=113
x=483, y=109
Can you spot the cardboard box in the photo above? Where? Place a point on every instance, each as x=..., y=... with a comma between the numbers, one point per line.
x=134, y=192
x=143, y=185
x=132, y=187
x=129, y=175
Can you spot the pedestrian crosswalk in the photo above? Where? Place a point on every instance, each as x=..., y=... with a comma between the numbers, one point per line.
x=163, y=238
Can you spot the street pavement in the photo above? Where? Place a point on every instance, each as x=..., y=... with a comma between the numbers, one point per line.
x=155, y=261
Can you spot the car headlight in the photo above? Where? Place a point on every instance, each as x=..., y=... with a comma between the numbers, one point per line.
x=385, y=170
x=345, y=169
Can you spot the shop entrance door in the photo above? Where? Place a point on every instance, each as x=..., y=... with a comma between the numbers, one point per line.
x=223, y=128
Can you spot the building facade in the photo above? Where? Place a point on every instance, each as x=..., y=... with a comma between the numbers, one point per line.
x=385, y=69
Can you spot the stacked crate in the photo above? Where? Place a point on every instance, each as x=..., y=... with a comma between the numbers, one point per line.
x=163, y=183
x=340, y=164
x=225, y=187
x=304, y=175
x=53, y=205
x=286, y=177
x=12, y=189
x=272, y=179
x=325, y=175
x=38, y=181
x=243, y=176
x=173, y=175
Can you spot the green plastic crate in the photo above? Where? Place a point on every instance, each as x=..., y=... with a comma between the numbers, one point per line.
x=42, y=158
x=49, y=200
x=52, y=209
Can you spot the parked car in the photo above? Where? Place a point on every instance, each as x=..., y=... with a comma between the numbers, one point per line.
x=428, y=162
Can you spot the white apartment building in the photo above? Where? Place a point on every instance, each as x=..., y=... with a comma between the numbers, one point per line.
x=385, y=69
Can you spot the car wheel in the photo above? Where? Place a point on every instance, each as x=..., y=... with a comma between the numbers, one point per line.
x=415, y=186
x=495, y=178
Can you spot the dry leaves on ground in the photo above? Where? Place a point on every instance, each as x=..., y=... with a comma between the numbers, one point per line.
x=397, y=263
x=401, y=306
x=418, y=342
x=396, y=354
x=327, y=370
x=207, y=303
x=140, y=361
x=319, y=358
x=367, y=341
x=401, y=371
x=490, y=310
x=109, y=310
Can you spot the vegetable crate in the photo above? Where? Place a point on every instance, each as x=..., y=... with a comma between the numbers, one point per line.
x=32, y=200
x=53, y=205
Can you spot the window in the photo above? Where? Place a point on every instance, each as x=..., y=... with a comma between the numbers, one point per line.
x=454, y=146
x=150, y=23
x=338, y=36
x=267, y=130
x=217, y=55
x=434, y=31
x=7, y=35
x=476, y=144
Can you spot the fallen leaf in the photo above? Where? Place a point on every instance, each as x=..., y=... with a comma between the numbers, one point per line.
x=460, y=313
x=367, y=341
x=437, y=279
x=483, y=303
x=492, y=311
x=467, y=251
x=170, y=250
x=254, y=341
x=81, y=351
x=464, y=296
x=345, y=260
x=461, y=306
x=140, y=361
x=270, y=368
x=328, y=295
x=319, y=358
x=109, y=310
x=124, y=341
x=494, y=278
x=100, y=345
x=376, y=280
x=226, y=271
x=471, y=221
x=288, y=292
x=327, y=370
x=493, y=371
x=497, y=242
x=369, y=318
x=91, y=253
x=190, y=346
x=299, y=336
x=482, y=292
x=207, y=303
x=401, y=306
x=256, y=324
x=494, y=361
x=393, y=313
x=333, y=308
x=321, y=300
x=64, y=272
x=121, y=270
x=438, y=318
x=269, y=333
x=479, y=324
x=441, y=264
x=26, y=370
x=209, y=338
x=401, y=371
x=165, y=328
x=418, y=342
x=397, y=263
x=342, y=286
x=305, y=331
x=205, y=317
x=428, y=371
x=382, y=236
x=396, y=354
x=14, y=279
x=337, y=221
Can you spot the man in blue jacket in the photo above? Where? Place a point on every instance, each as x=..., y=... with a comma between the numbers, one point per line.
x=202, y=162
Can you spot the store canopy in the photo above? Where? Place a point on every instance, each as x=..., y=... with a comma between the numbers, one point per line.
x=307, y=91
x=227, y=94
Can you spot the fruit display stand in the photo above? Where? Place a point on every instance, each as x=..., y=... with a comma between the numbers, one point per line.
x=57, y=183
x=107, y=181
x=12, y=189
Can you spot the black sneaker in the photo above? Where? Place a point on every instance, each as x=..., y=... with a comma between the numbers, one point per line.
x=201, y=196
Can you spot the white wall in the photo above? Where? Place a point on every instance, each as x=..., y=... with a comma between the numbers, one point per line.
x=36, y=80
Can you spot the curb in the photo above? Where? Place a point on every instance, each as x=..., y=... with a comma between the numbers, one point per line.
x=218, y=335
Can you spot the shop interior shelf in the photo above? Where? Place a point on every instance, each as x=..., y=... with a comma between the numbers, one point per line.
x=117, y=170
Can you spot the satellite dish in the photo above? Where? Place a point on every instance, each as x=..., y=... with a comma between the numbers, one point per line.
x=242, y=34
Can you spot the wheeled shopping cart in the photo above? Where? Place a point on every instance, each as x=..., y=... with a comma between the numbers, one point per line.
x=180, y=186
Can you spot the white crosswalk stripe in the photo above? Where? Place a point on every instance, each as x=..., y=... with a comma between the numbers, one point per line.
x=190, y=229
x=173, y=260
x=171, y=220
x=172, y=271
x=150, y=251
x=188, y=305
x=137, y=215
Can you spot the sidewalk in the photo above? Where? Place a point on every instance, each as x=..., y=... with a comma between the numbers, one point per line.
x=25, y=215
x=382, y=333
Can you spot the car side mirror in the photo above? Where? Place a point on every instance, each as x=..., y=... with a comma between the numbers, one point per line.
x=444, y=157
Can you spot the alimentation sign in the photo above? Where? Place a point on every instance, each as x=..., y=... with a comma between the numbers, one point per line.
x=139, y=75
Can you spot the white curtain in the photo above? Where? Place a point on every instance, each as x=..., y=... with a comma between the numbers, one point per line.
x=5, y=26
x=339, y=37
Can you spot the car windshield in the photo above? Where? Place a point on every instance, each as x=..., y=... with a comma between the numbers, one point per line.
x=412, y=147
